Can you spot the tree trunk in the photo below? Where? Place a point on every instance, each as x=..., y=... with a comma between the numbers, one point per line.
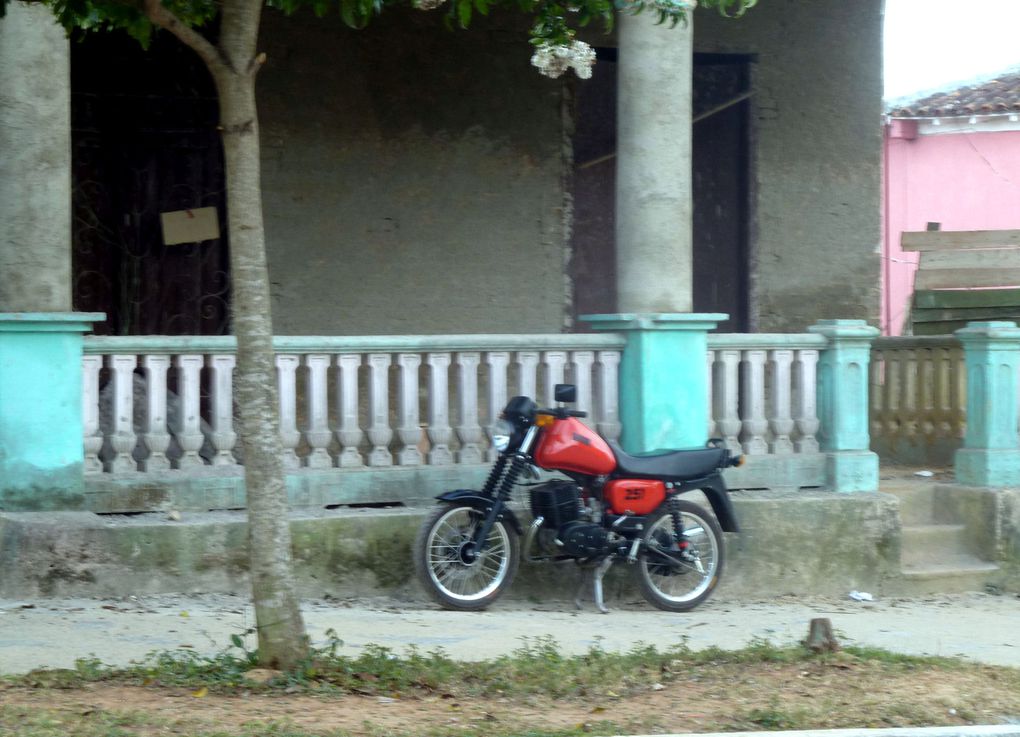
x=281, y=631
x=233, y=64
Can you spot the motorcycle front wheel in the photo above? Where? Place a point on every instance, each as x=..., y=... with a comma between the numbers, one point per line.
x=681, y=581
x=452, y=578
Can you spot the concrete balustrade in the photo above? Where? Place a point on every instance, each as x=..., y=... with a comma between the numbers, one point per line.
x=182, y=419
x=427, y=401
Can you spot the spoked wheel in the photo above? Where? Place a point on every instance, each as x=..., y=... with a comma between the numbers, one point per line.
x=681, y=577
x=447, y=565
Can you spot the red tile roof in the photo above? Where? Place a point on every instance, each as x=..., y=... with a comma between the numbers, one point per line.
x=999, y=95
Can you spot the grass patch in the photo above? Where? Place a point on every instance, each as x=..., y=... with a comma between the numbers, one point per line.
x=537, y=691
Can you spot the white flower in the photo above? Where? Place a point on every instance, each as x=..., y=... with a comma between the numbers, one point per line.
x=554, y=59
x=427, y=4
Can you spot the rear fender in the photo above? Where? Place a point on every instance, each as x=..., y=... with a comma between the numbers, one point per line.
x=483, y=504
x=718, y=496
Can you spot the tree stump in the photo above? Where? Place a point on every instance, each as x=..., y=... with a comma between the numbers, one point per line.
x=820, y=638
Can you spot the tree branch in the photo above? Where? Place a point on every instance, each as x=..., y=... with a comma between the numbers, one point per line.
x=160, y=16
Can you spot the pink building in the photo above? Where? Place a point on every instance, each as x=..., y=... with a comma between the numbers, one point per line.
x=951, y=158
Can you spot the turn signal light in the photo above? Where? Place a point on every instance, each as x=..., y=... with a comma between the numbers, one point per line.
x=544, y=420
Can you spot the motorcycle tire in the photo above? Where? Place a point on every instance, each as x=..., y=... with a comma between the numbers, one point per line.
x=673, y=587
x=442, y=571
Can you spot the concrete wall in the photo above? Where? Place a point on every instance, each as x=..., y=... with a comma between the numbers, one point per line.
x=413, y=176
x=412, y=179
x=965, y=180
x=816, y=155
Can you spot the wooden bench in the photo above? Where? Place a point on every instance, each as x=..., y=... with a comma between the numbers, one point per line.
x=963, y=276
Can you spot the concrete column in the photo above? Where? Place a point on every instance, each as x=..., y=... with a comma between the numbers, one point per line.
x=990, y=455
x=653, y=165
x=843, y=404
x=41, y=433
x=35, y=162
x=663, y=378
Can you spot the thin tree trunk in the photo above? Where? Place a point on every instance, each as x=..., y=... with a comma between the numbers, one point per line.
x=234, y=65
x=282, y=640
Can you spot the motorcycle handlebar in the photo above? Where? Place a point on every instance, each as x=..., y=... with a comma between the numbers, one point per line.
x=562, y=412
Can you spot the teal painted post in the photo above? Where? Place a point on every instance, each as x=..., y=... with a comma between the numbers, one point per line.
x=41, y=450
x=663, y=378
x=843, y=404
x=990, y=455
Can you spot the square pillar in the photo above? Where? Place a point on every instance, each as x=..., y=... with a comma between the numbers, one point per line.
x=990, y=455
x=663, y=378
x=843, y=404
x=41, y=434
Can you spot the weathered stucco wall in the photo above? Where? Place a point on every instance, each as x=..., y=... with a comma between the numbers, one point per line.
x=816, y=155
x=412, y=178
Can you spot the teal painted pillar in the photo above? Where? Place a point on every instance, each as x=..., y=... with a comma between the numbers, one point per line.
x=663, y=378
x=41, y=451
x=990, y=455
x=843, y=405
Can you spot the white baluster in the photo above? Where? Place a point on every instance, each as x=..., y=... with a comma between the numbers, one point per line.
x=349, y=434
x=409, y=430
x=780, y=418
x=805, y=410
x=286, y=377
x=528, y=362
x=122, y=434
x=727, y=382
x=752, y=403
x=221, y=398
x=583, y=361
x=608, y=374
x=90, y=366
x=555, y=364
x=189, y=420
x=876, y=389
x=498, y=361
x=379, y=432
x=469, y=432
x=439, y=410
x=317, y=407
x=709, y=373
x=154, y=432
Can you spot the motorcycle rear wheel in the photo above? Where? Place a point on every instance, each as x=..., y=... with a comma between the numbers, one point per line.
x=681, y=587
x=441, y=567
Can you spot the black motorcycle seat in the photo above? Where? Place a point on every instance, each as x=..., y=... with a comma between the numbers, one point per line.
x=669, y=465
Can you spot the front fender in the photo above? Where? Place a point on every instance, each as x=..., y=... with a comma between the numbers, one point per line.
x=483, y=504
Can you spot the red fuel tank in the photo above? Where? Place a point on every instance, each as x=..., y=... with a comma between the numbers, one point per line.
x=570, y=446
x=640, y=496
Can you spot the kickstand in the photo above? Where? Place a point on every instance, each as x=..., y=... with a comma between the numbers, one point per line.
x=598, y=573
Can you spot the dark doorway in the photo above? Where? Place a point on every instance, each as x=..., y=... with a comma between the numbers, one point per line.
x=721, y=143
x=144, y=142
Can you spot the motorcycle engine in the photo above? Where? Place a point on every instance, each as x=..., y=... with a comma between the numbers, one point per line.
x=583, y=539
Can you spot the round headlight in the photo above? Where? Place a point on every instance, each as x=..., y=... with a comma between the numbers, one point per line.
x=501, y=433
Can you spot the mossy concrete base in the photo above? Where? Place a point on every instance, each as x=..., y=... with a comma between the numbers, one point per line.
x=792, y=543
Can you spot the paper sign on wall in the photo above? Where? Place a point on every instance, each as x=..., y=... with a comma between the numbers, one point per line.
x=190, y=226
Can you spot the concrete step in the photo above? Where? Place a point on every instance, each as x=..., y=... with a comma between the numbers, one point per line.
x=952, y=574
x=917, y=500
x=933, y=544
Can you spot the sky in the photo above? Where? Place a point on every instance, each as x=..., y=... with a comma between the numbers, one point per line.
x=931, y=45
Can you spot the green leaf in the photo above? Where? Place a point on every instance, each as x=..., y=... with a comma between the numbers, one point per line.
x=464, y=13
x=237, y=642
x=482, y=6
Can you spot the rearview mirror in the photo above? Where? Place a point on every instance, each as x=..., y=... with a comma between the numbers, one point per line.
x=566, y=393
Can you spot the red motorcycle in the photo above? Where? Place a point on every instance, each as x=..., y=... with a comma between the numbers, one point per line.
x=611, y=506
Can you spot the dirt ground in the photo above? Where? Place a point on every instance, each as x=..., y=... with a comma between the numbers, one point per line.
x=843, y=691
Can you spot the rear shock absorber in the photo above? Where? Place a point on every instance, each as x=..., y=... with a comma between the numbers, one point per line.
x=678, y=524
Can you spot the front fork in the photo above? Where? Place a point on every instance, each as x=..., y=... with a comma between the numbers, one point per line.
x=499, y=486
